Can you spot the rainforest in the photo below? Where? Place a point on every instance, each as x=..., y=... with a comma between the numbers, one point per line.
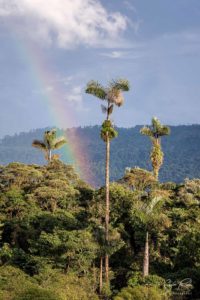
x=52, y=229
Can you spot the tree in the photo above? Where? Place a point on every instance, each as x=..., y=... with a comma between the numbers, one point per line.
x=112, y=94
x=44, y=253
x=138, y=179
x=50, y=142
x=150, y=214
x=155, y=132
x=37, y=293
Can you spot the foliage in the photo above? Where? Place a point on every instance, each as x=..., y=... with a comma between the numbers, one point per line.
x=138, y=179
x=140, y=292
x=182, y=156
x=155, y=132
x=50, y=142
x=51, y=234
x=67, y=286
x=37, y=293
x=156, y=157
x=108, y=130
x=156, y=129
x=111, y=93
x=152, y=280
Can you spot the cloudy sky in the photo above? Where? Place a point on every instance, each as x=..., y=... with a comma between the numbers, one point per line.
x=50, y=49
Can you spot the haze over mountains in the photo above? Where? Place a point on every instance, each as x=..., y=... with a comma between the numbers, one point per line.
x=181, y=149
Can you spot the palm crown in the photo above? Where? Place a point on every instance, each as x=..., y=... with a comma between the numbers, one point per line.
x=112, y=93
x=50, y=142
x=156, y=129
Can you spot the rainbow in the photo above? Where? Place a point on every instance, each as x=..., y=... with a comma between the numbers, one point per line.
x=75, y=151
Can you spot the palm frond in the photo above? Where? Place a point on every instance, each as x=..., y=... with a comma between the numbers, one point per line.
x=155, y=122
x=153, y=204
x=39, y=144
x=59, y=142
x=146, y=131
x=158, y=129
x=165, y=130
x=120, y=84
x=96, y=89
x=49, y=137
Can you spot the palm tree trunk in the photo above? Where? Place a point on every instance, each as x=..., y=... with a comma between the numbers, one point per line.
x=156, y=173
x=107, y=216
x=49, y=154
x=146, y=256
x=101, y=275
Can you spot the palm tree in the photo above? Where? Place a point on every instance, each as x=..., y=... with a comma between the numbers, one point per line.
x=112, y=94
x=50, y=142
x=150, y=213
x=155, y=131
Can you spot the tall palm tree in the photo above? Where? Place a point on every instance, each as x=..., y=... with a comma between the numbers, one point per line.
x=112, y=95
x=50, y=142
x=155, y=131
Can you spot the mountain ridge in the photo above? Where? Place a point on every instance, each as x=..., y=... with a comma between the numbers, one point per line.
x=181, y=149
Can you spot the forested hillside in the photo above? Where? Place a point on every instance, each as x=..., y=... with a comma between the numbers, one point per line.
x=181, y=148
x=52, y=236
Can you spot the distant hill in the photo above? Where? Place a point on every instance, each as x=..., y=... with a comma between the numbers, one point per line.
x=181, y=148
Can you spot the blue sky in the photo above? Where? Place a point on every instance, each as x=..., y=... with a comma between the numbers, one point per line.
x=155, y=44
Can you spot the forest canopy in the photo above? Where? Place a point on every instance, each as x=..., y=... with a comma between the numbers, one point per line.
x=129, y=149
x=52, y=236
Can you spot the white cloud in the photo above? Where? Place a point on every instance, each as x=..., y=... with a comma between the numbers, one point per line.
x=68, y=23
x=129, y=5
x=114, y=54
x=132, y=53
x=173, y=44
x=74, y=97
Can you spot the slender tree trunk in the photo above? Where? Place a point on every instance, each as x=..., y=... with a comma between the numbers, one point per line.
x=156, y=164
x=101, y=275
x=156, y=173
x=146, y=256
x=107, y=177
x=49, y=155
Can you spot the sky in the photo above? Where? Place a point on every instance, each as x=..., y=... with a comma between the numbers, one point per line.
x=49, y=50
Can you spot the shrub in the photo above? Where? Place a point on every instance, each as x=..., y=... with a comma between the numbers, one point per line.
x=36, y=293
x=152, y=280
x=141, y=293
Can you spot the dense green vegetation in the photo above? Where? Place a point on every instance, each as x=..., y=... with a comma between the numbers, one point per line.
x=52, y=237
x=181, y=151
